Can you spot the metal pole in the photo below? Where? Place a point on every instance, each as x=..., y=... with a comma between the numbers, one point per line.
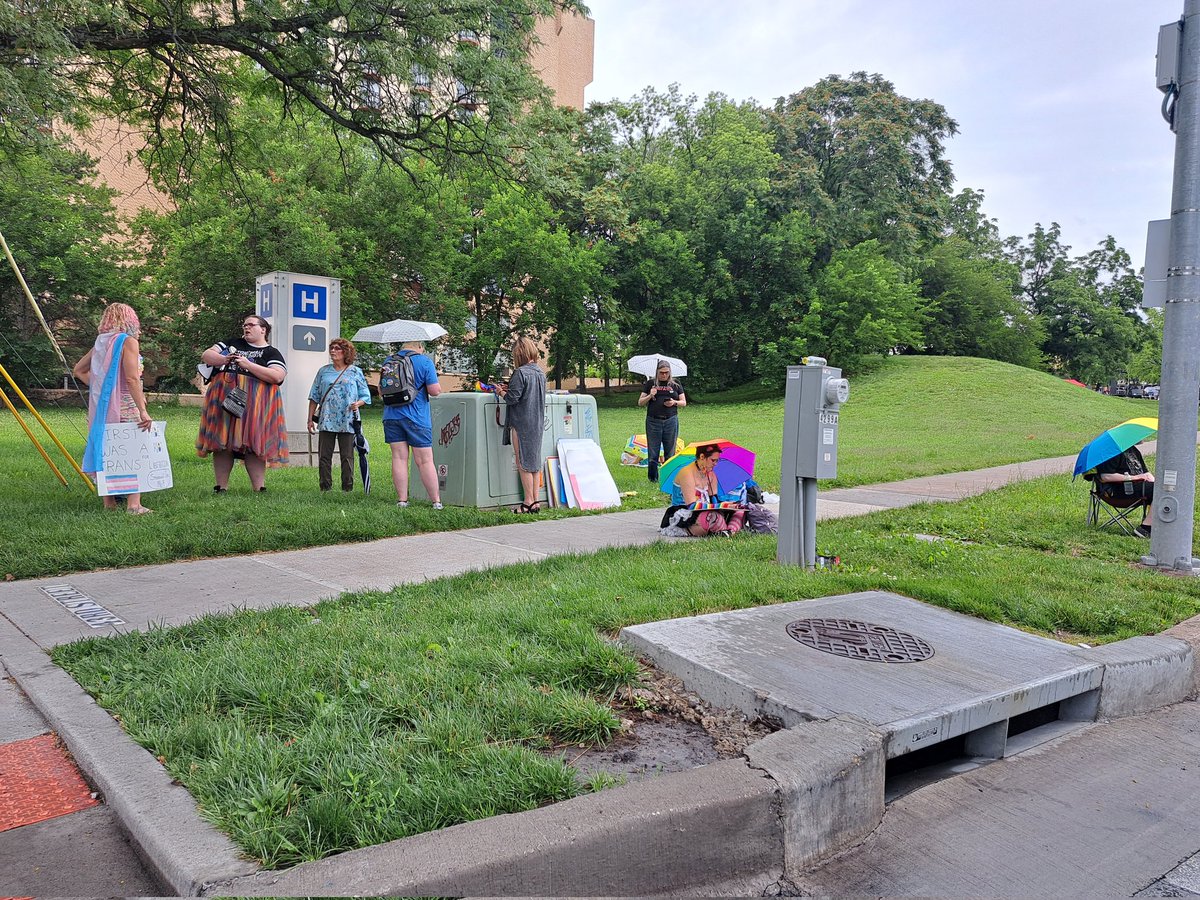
x=790, y=543
x=808, y=490
x=32, y=437
x=1175, y=478
x=37, y=415
x=33, y=303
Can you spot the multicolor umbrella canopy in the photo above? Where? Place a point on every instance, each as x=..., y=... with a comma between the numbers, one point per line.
x=733, y=469
x=363, y=448
x=1116, y=440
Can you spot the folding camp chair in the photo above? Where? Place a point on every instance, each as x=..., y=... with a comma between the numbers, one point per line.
x=1115, y=509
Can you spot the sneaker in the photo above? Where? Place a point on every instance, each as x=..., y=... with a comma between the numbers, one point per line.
x=403, y=504
x=438, y=506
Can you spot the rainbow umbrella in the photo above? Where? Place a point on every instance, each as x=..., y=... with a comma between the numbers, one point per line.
x=1116, y=440
x=733, y=469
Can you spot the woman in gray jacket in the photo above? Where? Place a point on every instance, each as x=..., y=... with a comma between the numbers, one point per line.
x=525, y=399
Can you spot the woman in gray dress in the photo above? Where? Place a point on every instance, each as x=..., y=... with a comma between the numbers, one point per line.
x=525, y=398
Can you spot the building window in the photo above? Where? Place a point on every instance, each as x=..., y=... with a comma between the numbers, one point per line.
x=465, y=97
x=370, y=89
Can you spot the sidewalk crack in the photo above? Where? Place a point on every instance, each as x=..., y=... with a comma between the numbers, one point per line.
x=340, y=588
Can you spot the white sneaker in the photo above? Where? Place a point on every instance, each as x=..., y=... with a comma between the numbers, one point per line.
x=403, y=504
x=438, y=506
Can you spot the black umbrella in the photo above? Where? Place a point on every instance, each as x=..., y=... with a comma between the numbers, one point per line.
x=363, y=448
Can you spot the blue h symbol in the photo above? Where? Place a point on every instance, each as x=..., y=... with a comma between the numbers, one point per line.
x=308, y=301
x=264, y=300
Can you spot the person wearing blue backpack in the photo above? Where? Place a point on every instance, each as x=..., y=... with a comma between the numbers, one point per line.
x=407, y=381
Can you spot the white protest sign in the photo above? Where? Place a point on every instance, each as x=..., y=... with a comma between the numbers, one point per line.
x=135, y=461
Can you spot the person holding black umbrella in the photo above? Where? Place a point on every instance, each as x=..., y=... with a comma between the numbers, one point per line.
x=338, y=391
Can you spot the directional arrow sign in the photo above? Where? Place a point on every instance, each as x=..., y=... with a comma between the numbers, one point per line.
x=308, y=337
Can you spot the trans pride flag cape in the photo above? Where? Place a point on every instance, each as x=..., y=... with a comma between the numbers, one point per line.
x=105, y=405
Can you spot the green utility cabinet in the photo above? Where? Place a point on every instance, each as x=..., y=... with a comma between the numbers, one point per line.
x=474, y=467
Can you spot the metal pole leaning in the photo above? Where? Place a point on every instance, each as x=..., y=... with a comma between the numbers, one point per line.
x=37, y=310
x=1175, y=479
x=32, y=437
x=57, y=443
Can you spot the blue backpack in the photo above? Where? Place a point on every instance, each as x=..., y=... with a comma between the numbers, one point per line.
x=398, y=380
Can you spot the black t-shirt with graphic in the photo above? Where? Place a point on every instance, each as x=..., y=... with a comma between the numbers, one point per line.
x=263, y=356
x=657, y=407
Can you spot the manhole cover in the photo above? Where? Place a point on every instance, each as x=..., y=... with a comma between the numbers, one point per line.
x=860, y=640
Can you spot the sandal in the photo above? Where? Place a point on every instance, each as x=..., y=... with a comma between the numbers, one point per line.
x=139, y=510
x=527, y=508
x=217, y=489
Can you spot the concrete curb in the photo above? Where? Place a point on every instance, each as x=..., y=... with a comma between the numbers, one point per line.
x=831, y=779
x=1144, y=673
x=803, y=794
x=669, y=835
x=160, y=816
x=1189, y=632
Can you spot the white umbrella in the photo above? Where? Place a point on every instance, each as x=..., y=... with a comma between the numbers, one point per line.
x=644, y=365
x=398, y=331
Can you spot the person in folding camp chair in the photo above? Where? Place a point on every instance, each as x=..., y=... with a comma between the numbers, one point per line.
x=1124, y=478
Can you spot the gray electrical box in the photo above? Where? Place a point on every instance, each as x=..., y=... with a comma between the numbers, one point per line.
x=474, y=465
x=1167, y=68
x=812, y=404
x=814, y=396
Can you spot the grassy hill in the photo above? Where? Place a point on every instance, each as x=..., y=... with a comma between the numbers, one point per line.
x=916, y=415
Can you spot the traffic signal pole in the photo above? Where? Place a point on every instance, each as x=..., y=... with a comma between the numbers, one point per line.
x=1175, y=470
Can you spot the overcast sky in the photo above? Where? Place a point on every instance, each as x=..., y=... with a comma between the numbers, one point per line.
x=1059, y=118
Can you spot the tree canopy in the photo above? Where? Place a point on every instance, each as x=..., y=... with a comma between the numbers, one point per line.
x=377, y=142
x=414, y=77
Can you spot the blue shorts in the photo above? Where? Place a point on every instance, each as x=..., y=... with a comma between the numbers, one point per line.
x=397, y=431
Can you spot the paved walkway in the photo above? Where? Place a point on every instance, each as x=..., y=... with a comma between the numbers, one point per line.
x=37, y=614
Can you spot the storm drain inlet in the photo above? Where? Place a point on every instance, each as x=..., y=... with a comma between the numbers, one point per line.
x=854, y=639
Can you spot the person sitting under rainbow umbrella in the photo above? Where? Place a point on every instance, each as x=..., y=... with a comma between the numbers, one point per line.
x=1119, y=469
x=698, y=477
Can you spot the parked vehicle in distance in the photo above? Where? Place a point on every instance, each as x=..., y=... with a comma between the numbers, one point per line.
x=1150, y=392
x=1135, y=391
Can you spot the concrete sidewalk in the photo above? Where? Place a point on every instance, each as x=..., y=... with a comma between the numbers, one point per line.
x=173, y=593
x=183, y=852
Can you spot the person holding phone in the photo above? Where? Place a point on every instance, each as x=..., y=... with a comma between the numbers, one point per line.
x=258, y=436
x=663, y=397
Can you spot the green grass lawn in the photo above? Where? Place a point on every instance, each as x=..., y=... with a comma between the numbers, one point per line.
x=916, y=416
x=379, y=715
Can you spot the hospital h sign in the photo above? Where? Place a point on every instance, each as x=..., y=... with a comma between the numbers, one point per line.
x=305, y=315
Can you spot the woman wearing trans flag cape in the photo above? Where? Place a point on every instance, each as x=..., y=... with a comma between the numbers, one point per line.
x=112, y=370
